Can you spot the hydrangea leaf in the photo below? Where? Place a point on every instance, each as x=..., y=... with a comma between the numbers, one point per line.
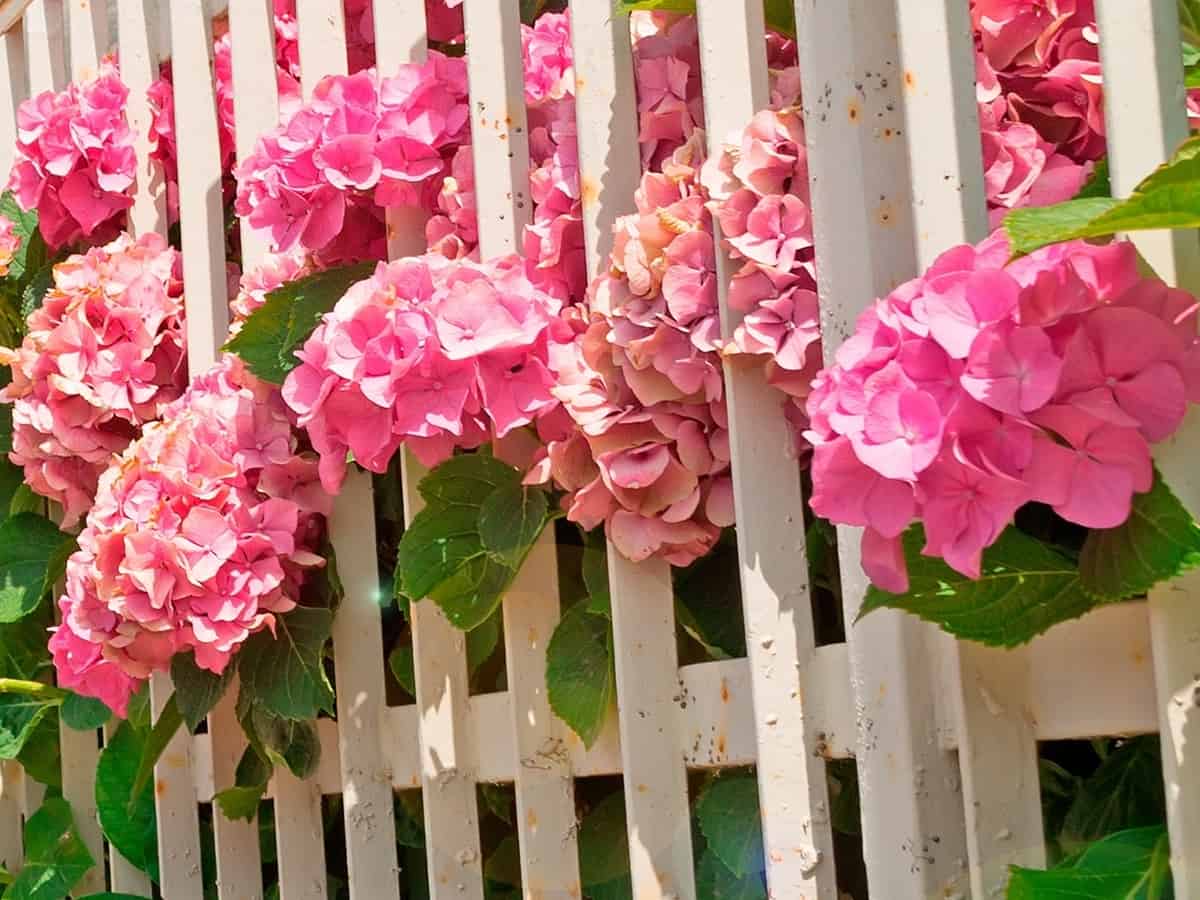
x=34, y=292
x=31, y=255
x=438, y=543
x=55, y=856
x=704, y=593
x=510, y=520
x=1025, y=587
x=1158, y=541
x=197, y=690
x=466, y=480
x=714, y=881
x=1129, y=865
x=240, y=802
x=1126, y=791
x=288, y=742
x=595, y=573
x=41, y=757
x=604, y=846
x=1169, y=197
x=728, y=815
x=472, y=593
x=284, y=672
x=503, y=865
x=19, y=718
x=33, y=555
x=269, y=338
x=128, y=821
x=580, y=681
x=157, y=738
x=83, y=713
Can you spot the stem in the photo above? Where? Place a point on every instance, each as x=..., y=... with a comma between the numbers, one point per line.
x=35, y=689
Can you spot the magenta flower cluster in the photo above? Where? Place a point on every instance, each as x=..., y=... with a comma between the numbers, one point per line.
x=102, y=356
x=427, y=353
x=986, y=384
x=75, y=159
x=201, y=534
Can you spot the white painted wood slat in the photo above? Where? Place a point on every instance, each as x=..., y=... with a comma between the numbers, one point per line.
x=546, y=825
x=793, y=796
x=175, y=803
x=11, y=844
x=123, y=876
x=651, y=730
x=15, y=81
x=1003, y=816
x=80, y=751
x=45, y=45
x=87, y=30
x=1144, y=111
x=139, y=30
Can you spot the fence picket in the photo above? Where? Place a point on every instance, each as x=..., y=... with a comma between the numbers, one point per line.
x=175, y=804
x=87, y=29
x=1003, y=817
x=139, y=31
x=124, y=876
x=299, y=836
x=45, y=45
x=643, y=611
x=80, y=751
x=546, y=826
x=239, y=858
x=11, y=850
x=798, y=838
x=1145, y=113
x=15, y=80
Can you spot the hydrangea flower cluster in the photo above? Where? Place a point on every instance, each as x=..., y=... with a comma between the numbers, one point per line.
x=201, y=534
x=75, y=158
x=276, y=270
x=10, y=244
x=428, y=353
x=1040, y=99
x=984, y=385
x=644, y=446
x=360, y=142
x=102, y=356
x=759, y=195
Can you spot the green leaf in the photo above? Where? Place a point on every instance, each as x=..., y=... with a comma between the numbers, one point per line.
x=288, y=742
x=703, y=594
x=240, y=802
x=595, y=573
x=1129, y=865
x=499, y=801
x=503, y=866
x=1098, y=183
x=604, y=844
x=471, y=595
x=83, y=713
x=285, y=673
x=466, y=480
x=580, y=681
x=55, y=856
x=400, y=661
x=19, y=717
x=23, y=651
x=845, y=812
x=714, y=881
x=35, y=291
x=269, y=339
x=1025, y=587
x=1167, y=198
x=33, y=556
x=439, y=542
x=41, y=757
x=510, y=520
x=197, y=690
x=127, y=822
x=728, y=815
x=1158, y=541
x=31, y=255
x=169, y=721
x=24, y=500
x=1126, y=791
x=482, y=642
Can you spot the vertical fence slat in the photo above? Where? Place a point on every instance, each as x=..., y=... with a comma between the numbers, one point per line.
x=80, y=751
x=87, y=27
x=45, y=45
x=11, y=849
x=793, y=796
x=545, y=793
x=299, y=837
x=175, y=803
x=139, y=28
x=655, y=780
x=239, y=857
x=15, y=89
x=357, y=630
x=1144, y=109
x=1003, y=816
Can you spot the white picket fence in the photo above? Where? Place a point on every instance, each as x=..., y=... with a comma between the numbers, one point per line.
x=944, y=734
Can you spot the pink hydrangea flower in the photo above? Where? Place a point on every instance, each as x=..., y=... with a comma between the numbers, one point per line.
x=982, y=386
x=10, y=244
x=201, y=534
x=75, y=159
x=103, y=355
x=274, y=272
x=428, y=353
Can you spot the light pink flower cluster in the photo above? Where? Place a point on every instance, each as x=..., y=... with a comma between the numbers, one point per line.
x=274, y=272
x=980, y=386
x=644, y=448
x=75, y=159
x=428, y=353
x=102, y=356
x=1040, y=99
x=200, y=535
x=759, y=195
x=10, y=244
x=360, y=138
x=666, y=54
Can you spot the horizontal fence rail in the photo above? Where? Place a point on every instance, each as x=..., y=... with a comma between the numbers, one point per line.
x=944, y=735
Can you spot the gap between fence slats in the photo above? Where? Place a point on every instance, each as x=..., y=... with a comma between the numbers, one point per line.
x=357, y=630
x=545, y=793
x=769, y=503
x=45, y=45
x=1145, y=113
x=1003, y=816
x=643, y=603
